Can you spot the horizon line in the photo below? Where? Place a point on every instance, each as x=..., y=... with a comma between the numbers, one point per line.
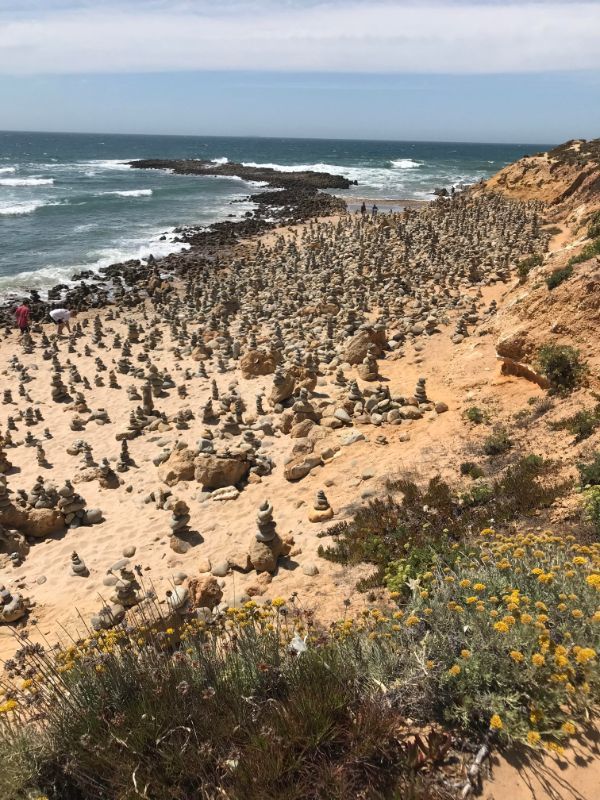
x=289, y=138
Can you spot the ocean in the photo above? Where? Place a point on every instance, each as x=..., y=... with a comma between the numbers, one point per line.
x=70, y=202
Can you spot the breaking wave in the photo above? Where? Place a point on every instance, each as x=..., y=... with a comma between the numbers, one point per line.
x=405, y=163
x=27, y=207
x=129, y=193
x=26, y=181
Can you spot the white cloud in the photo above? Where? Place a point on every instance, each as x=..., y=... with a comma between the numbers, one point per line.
x=342, y=36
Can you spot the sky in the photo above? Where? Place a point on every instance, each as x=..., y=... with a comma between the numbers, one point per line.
x=462, y=70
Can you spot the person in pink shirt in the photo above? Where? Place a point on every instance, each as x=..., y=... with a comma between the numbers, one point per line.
x=22, y=313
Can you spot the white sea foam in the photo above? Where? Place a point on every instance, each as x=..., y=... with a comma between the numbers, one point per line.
x=222, y=160
x=130, y=193
x=405, y=163
x=5, y=170
x=26, y=181
x=15, y=209
x=127, y=249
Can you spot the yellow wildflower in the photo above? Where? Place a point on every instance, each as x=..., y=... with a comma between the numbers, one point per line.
x=568, y=728
x=533, y=737
x=454, y=671
x=501, y=627
x=585, y=654
x=277, y=602
x=465, y=653
x=516, y=656
x=538, y=660
x=496, y=723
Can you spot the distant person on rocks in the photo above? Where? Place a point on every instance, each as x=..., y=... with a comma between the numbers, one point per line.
x=363, y=209
x=61, y=317
x=22, y=313
x=374, y=210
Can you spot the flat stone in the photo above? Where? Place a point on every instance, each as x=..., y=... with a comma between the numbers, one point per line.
x=221, y=569
x=353, y=437
x=129, y=551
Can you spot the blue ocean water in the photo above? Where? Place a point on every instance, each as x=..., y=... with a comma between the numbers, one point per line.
x=70, y=202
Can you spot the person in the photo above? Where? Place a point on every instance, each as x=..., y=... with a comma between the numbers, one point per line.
x=22, y=314
x=61, y=317
x=374, y=210
x=363, y=209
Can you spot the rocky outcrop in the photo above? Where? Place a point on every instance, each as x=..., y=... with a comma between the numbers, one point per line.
x=205, y=592
x=255, y=363
x=215, y=471
x=359, y=346
x=42, y=522
x=180, y=466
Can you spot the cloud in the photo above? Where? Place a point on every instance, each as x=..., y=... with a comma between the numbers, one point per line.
x=298, y=35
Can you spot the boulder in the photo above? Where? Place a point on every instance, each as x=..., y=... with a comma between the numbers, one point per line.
x=301, y=429
x=205, y=592
x=515, y=346
x=256, y=362
x=42, y=522
x=215, y=472
x=179, y=466
x=263, y=555
x=358, y=347
x=282, y=389
x=300, y=466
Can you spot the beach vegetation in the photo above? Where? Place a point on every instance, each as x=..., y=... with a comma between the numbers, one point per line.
x=589, y=251
x=497, y=442
x=581, y=425
x=525, y=266
x=589, y=471
x=558, y=276
x=437, y=516
x=562, y=365
x=498, y=636
x=476, y=415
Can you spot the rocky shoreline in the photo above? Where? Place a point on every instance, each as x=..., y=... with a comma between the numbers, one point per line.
x=291, y=198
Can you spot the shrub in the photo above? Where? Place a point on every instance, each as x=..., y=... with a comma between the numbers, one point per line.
x=471, y=469
x=525, y=266
x=436, y=517
x=498, y=442
x=503, y=639
x=591, y=507
x=582, y=424
x=475, y=415
x=589, y=474
x=589, y=251
x=562, y=366
x=593, y=230
x=558, y=276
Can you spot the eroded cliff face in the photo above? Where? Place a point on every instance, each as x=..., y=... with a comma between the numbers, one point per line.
x=567, y=178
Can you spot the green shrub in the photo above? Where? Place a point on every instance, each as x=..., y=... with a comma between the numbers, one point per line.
x=593, y=230
x=479, y=495
x=497, y=443
x=589, y=251
x=525, y=266
x=589, y=474
x=471, y=469
x=558, y=276
x=562, y=366
x=591, y=507
x=263, y=705
x=582, y=424
x=386, y=531
x=475, y=415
